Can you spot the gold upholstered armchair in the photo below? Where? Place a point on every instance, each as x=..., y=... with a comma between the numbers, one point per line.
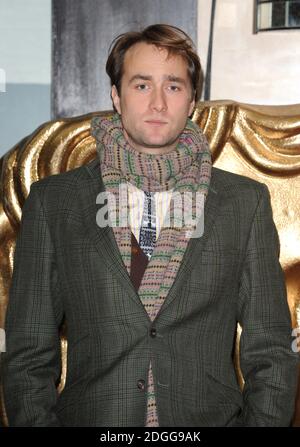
x=261, y=142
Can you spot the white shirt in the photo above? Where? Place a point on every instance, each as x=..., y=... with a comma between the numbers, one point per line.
x=136, y=199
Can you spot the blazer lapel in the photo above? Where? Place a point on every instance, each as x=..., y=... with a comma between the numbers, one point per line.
x=189, y=260
x=103, y=238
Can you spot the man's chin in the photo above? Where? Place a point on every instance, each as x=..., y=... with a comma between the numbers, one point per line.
x=159, y=142
x=158, y=147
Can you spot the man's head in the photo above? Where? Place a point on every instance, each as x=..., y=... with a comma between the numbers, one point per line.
x=156, y=79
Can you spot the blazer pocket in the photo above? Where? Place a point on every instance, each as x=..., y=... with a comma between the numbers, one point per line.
x=213, y=269
x=218, y=256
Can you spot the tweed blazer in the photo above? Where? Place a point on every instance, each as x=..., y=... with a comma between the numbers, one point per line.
x=66, y=266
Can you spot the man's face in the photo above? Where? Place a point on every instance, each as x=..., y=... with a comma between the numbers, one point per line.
x=155, y=100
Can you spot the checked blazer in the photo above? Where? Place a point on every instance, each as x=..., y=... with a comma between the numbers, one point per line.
x=66, y=267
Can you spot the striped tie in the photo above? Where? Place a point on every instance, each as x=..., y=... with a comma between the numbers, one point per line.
x=148, y=227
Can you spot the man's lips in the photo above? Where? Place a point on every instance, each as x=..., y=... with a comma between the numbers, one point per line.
x=156, y=122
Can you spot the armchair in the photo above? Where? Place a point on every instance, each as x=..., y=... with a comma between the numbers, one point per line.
x=261, y=142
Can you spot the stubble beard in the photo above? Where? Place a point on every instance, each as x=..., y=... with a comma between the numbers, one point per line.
x=137, y=143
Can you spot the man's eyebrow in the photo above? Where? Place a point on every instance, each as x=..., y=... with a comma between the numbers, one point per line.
x=142, y=77
x=176, y=79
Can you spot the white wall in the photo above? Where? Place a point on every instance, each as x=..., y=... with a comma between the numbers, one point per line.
x=262, y=68
x=25, y=63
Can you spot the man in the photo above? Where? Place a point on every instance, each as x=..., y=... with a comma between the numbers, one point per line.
x=151, y=308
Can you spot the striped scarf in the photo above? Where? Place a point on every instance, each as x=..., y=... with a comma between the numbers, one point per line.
x=185, y=169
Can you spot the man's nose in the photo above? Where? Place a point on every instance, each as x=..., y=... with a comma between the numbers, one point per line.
x=158, y=100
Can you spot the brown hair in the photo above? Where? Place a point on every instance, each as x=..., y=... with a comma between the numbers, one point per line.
x=173, y=39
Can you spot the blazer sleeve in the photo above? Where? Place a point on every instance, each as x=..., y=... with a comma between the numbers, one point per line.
x=267, y=360
x=31, y=365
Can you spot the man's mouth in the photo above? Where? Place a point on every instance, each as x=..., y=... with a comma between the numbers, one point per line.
x=156, y=122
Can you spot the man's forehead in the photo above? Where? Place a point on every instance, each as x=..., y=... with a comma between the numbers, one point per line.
x=141, y=57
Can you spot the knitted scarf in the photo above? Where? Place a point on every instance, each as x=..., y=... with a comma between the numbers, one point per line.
x=185, y=169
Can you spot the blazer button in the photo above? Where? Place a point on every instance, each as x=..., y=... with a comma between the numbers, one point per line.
x=141, y=384
x=153, y=332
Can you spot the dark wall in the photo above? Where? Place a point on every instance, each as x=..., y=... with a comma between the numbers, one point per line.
x=82, y=33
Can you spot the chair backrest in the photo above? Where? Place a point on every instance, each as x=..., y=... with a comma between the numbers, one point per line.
x=261, y=142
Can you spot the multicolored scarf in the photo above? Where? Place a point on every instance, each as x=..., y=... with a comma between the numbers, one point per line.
x=185, y=169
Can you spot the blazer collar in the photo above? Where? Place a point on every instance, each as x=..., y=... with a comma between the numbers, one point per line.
x=104, y=241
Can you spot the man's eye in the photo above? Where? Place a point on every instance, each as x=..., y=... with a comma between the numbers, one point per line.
x=174, y=88
x=142, y=86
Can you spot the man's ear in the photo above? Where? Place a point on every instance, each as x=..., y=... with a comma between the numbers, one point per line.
x=116, y=99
